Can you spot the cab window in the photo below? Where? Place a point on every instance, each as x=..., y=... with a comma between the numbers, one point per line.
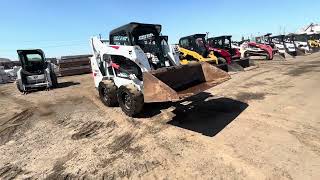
x=120, y=39
x=34, y=57
x=184, y=42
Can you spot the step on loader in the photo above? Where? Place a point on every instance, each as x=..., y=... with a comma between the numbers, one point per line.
x=35, y=71
x=138, y=66
x=223, y=48
x=195, y=48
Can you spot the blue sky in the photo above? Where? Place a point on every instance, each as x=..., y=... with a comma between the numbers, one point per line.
x=63, y=27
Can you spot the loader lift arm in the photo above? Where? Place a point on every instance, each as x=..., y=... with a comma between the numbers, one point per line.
x=197, y=56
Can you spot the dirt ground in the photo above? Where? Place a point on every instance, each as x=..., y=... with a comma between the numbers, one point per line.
x=261, y=124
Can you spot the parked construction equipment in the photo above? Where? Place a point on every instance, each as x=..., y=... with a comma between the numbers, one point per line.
x=314, y=41
x=4, y=78
x=300, y=41
x=138, y=66
x=278, y=50
x=249, y=48
x=35, y=71
x=195, y=48
x=267, y=40
x=284, y=46
x=307, y=42
x=223, y=48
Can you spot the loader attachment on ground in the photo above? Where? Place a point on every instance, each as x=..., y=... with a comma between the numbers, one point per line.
x=178, y=82
x=235, y=67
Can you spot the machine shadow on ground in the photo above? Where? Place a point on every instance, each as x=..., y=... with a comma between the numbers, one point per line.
x=202, y=113
x=67, y=84
x=60, y=85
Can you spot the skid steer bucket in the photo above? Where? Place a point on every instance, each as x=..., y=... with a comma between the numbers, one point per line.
x=178, y=82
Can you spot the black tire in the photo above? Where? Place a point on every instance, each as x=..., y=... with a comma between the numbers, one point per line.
x=267, y=56
x=246, y=55
x=20, y=89
x=130, y=100
x=222, y=64
x=108, y=93
x=222, y=60
x=181, y=57
x=54, y=80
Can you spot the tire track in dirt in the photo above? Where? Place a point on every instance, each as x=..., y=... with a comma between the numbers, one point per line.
x=309, y=140
x=10, y=126
x=87, y=130
x=136, y=170
x=127, y=172
x=58, y=170
x=84, y=128
x=10, y=171
x=7, y=94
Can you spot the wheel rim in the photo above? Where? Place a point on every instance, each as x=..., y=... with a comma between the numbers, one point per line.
x=127, y=101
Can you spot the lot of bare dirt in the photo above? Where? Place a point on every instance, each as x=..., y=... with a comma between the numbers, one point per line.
x=261, y=124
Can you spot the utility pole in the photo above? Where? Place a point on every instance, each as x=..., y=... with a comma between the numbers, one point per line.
x=207, y=35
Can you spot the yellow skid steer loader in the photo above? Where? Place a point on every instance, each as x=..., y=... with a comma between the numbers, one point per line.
x=195, y=48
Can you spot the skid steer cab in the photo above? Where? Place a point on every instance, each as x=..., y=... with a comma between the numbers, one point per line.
x=138, y=66
x=284, y=46
x=35, y=71
x=302, y=42
x=195, y=48
x=267, y=40
x=224, y=49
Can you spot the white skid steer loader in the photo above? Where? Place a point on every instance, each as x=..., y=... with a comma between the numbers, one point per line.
x=284, y=45
x=138, y=66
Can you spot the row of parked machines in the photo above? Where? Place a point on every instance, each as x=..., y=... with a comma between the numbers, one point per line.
x=137, y=65
x=285, y=45
x=223, y=51
x=216, y=50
